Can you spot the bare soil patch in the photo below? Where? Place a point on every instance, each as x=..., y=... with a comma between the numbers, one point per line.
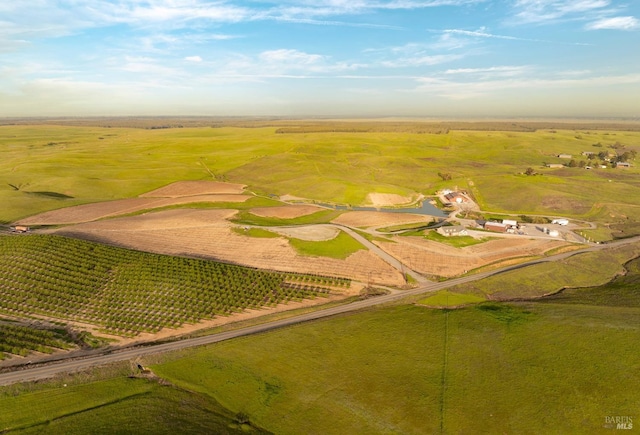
x=369, y=219
x=387, y=199
x=286, y=211
x=191, y=188
x=288, y=197
x=208, y=234
x=312, y=233
x=433, y=258
x=100, y=210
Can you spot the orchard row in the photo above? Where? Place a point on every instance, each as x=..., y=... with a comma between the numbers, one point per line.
x=127, y=292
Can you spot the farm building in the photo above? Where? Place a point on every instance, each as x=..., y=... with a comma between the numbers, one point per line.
x=623, y=165
x=455, y=197
x=555, y=165
x=564, y=156
x=20, y=229
x=497, y=227
x=454, y=230
x=560, y=221
x=510, y=223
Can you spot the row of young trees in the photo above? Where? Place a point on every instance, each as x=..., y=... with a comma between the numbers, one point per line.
x=126, y=292
x=20, y=340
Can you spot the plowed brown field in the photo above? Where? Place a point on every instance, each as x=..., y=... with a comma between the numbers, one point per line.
x=370, y=219
x=438, y=259
x=100, y=210
x=207, y=234
x=191, y=188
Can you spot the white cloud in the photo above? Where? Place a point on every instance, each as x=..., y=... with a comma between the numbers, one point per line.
x=193, y=59
x=483, y=34
x=615, y=23
x=544, y=11
x=424, y=60
x=290, y=56
x=494, y=71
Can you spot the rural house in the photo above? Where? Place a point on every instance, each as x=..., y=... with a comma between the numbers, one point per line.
x=454, y=230
x=564, y=156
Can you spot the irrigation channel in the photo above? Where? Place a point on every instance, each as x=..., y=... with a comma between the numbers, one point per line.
x=104, y=356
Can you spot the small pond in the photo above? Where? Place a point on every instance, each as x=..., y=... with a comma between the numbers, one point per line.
x=426, y=208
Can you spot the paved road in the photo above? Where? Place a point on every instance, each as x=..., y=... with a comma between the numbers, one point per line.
x=35, y=372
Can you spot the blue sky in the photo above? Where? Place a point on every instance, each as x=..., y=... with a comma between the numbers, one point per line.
x=405, y=58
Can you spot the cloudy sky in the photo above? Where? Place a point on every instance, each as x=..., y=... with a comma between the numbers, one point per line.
x=415, y=58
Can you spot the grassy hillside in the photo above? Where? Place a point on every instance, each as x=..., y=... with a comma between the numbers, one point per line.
x=118, y=405
x=46, y=167
x=492, y=368
x=582, y=270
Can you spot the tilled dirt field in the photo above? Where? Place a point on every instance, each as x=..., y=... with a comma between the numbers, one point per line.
x=190, y=188
x=312, y=233
x=387, y=199
x=100, y=210
x=438, y=259
x=207, y=234
x=372, y=219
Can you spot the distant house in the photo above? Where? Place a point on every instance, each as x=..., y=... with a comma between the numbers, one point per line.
x=623, y=165
x=454, y=230
x=20, y=229
x=555, y=165
x=560, y=221
x=455, y=197
x=497, y=227
x=564, y=156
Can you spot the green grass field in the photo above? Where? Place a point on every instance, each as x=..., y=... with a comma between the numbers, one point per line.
x=320, y=217
x=446, y=299
x=47, y=167
x=118, y=405
x=582, y=270
x=559, y=364
x=456, y=241
x=340, y=246
x=492, y=368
